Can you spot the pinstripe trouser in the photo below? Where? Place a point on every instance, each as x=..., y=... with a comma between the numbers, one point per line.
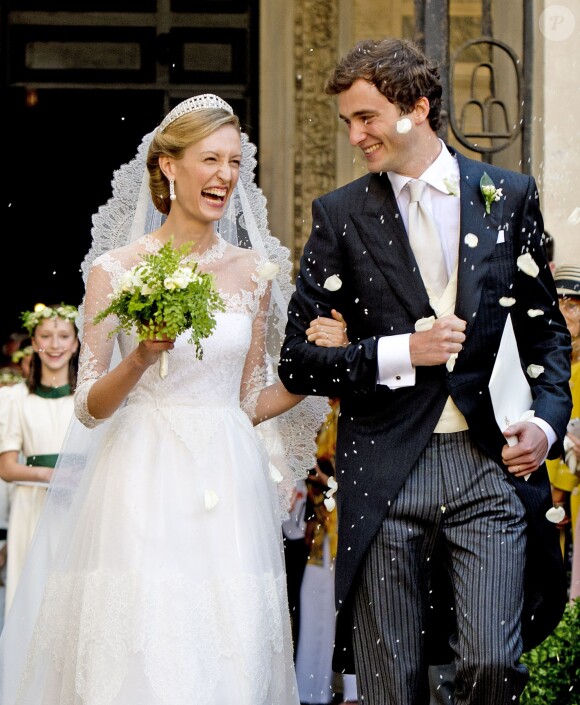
x=457, y=498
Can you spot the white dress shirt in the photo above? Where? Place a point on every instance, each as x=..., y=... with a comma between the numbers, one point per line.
x=394, y=359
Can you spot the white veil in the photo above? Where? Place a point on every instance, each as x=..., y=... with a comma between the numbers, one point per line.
x=129, y=214
x=290, y=438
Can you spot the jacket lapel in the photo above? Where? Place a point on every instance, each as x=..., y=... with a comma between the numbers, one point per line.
x=381, y=229
x=474, y=255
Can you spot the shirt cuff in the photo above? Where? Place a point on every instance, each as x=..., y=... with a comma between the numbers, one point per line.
x=548, y=430
x=394, y=361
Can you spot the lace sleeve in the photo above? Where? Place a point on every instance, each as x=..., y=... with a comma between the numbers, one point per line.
x=290, y=438
x=255, y=374
x=97, y=345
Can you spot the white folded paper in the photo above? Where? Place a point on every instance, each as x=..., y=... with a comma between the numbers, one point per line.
x=508, y=386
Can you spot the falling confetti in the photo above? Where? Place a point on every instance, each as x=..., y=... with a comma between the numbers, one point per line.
x=210, y=500
x=268, y=270
x=333, y=283
x=471, y=240
x=574, y=217
x=555, y=514
x=533, y=312
x=452, y=186
x=507, y=301
x=528, y=265
x=404, y=125
x=450, y=364
x=275, y=474
x=534, y=370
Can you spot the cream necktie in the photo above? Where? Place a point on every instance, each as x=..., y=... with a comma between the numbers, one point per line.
x=425, y=242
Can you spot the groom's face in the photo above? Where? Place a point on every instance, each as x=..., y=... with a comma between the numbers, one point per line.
x=371, y=120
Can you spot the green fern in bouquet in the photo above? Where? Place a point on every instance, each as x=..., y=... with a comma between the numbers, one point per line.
x=164, y=296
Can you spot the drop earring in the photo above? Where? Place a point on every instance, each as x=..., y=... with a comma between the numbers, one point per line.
x=172, y=196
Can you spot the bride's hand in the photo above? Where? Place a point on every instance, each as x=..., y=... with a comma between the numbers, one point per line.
x=148, y=351
x=328, y=332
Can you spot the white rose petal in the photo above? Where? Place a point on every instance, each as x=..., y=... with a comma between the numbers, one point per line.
x=555, y=514
x=210, y=499
x=332, y=483
x=268, y=270
x=574, y=217
x=534, y=371
x=528, y=265
x=424, y=324
x=333, y=283
x=533, y=312
x=507, y=301
x=450, y=364
x=330, y=503
x=471, y=240
x=452, y=186
x=275, y=474
x=404, y=125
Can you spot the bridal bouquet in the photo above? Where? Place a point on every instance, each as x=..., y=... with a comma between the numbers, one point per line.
x=163, y=296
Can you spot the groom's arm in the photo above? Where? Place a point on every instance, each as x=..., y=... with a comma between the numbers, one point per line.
x=543, y=340
x=304, y=367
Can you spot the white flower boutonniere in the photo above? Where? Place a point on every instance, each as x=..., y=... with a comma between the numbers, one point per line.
x=489, y=191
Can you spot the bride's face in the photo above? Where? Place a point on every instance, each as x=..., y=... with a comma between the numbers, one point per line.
x=207, y=174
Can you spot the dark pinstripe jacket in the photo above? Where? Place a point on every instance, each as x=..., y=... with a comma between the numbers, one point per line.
x=358, y=234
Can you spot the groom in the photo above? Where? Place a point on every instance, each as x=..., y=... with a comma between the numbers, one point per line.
x=443, y=539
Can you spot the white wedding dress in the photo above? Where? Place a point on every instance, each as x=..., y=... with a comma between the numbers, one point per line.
x=167, y=586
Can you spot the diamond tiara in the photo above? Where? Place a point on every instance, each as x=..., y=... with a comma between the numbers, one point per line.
x=198, y=102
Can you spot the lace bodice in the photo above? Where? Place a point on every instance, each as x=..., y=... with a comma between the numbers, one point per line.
x=233, y=366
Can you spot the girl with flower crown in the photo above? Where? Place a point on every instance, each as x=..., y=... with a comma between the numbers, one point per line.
x=36, y=415
x=164, y=583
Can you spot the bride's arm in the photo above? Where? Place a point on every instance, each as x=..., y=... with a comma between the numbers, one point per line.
x=272, y=400
x=101, y=392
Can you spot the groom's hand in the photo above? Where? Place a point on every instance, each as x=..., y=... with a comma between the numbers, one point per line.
x=529, y=452
x=435, y=346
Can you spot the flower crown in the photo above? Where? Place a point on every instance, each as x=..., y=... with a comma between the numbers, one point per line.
x=30, y=319
x=207, y=101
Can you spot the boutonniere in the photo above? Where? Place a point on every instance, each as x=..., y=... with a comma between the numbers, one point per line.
x=489, y=191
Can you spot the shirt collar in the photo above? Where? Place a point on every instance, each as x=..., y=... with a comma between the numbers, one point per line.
x=444, y=169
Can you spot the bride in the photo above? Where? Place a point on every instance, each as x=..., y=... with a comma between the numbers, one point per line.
x=163, y=574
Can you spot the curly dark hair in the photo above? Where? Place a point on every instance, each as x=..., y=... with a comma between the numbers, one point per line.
x=397, y=68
